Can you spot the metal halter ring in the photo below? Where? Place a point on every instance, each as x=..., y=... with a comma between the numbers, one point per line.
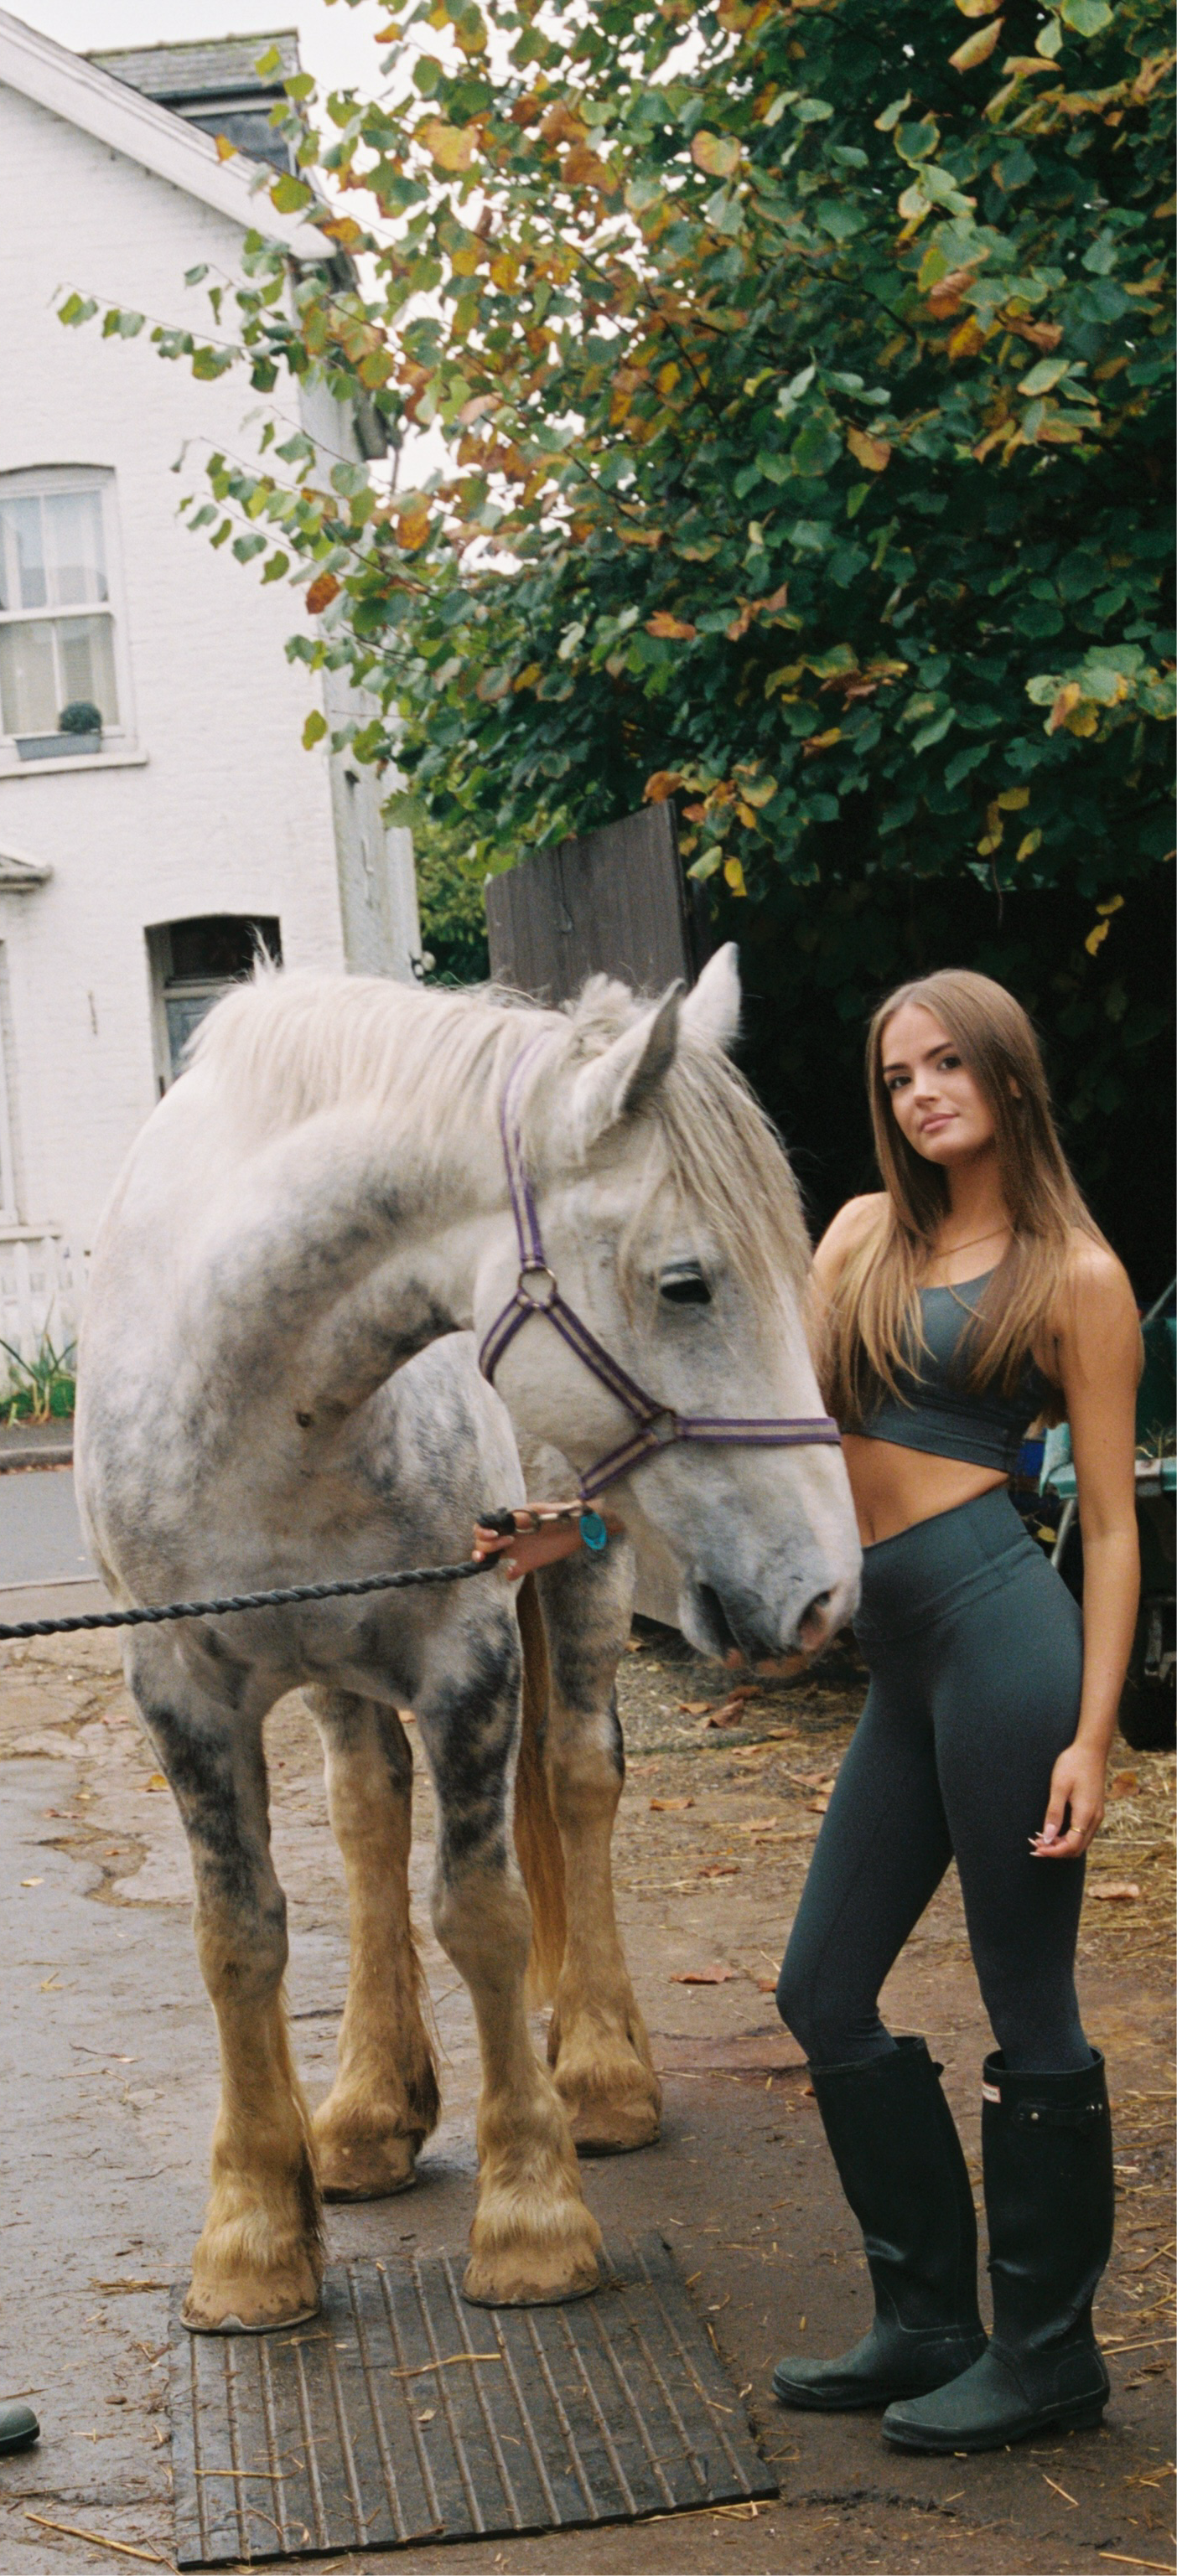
x=537, y=1270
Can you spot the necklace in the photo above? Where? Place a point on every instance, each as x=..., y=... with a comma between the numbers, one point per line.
x=950, y=1250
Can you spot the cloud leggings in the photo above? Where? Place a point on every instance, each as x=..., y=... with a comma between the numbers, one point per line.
x=975, y=1652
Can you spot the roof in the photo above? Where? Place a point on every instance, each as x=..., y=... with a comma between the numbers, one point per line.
x=173, y=148
x=171, y=72
x=216, y=86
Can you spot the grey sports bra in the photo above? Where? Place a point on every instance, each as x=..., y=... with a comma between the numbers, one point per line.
x=938, y=1412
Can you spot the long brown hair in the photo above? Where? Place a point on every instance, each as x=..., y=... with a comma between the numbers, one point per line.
x=873, y=1326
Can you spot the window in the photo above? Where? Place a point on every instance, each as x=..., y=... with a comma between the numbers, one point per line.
x=192, y=964
x=59, y=681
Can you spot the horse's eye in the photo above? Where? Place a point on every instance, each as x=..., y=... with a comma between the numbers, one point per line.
x=684, y=1285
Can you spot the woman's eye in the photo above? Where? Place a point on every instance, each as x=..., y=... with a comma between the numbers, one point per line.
x=684, y=1286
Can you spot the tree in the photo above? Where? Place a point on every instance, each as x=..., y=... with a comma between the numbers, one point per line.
x=803, y=369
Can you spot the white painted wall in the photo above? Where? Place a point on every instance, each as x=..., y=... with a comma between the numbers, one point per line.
x=216, y=808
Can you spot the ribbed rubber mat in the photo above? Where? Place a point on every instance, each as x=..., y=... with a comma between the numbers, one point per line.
x=400, y=2414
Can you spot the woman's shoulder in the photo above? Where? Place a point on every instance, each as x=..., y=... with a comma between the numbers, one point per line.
x=1095, y=1292
x=851, y=1226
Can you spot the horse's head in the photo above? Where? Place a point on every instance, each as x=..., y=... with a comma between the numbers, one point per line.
x=670, y=1219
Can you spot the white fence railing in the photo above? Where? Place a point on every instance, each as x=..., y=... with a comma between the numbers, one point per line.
x=41, y=1291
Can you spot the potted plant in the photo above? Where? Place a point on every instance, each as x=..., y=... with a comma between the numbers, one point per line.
x=79, y=729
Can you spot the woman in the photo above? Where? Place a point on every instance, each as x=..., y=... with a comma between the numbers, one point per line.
x=970, y=1296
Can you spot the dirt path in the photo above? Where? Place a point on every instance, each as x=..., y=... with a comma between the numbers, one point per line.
x=108, y=2073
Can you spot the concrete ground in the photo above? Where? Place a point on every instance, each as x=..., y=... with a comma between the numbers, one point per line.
x=108, y=2072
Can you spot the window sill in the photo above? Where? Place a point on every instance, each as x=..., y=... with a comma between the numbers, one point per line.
x=16, y=768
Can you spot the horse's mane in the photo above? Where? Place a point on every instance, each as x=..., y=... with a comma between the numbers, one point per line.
x=292, y=1044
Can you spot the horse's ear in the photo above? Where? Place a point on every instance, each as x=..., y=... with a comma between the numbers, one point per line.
x=623, y=1079
x=712, y=1011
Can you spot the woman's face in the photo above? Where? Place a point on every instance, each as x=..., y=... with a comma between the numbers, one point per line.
x=936, y=1102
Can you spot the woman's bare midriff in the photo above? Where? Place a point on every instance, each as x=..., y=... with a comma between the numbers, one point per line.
x=894, y=1487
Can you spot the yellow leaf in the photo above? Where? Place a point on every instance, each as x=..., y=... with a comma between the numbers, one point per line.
x=344, y=230
x=967, y=338
x=465, y=261
x=1116, y=905
x=976, y=49
x=673, y=629
x=976, y=8
x=987, y=846
x=667, y=378
x=874, y=453
x=1084, y=721
x=1095, y=938
x=1012, y=799
x=449, y=145
x=412, y=526
x=746, y=815
x=734, y=876
x=662, y=786
x=528, y=678
x=1068, y=698
x=504, y=270
x=1027, y=846
x=717, y=154
x=761, y=792
x=225, y=149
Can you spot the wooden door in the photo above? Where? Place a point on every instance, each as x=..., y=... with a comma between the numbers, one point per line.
x=613, y=903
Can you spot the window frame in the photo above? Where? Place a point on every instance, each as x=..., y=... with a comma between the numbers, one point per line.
x=47, y=482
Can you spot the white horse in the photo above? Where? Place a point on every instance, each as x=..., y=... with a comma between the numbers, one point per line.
x=319, y=1197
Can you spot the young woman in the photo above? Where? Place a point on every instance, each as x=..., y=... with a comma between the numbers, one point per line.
x=971, y=1296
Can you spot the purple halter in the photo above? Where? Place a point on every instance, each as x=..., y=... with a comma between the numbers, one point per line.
x=657, y=1425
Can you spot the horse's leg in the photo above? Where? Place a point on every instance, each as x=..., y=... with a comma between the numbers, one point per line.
x=259, y=2261
x=597, y=2042
x=532, y=2238
x=384, y=2100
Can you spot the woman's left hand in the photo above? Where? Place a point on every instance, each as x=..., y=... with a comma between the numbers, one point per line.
x=1076, y=1784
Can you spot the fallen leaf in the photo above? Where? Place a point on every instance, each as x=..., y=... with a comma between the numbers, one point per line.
x=1124, y=1784
x=766, y=1985
x=693, y=1707
x=156, y=1781
x=1119, y=1890
x=759, y=1825
x=816, y=1806
x=32, y=1882
x=720, y=1869
x=669, y=1806
x=51, y=1985
x=717, y=1976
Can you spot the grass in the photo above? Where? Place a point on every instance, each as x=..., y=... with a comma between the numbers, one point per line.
x=39, y=1390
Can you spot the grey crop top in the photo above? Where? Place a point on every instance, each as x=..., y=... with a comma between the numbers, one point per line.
x=938, y=1412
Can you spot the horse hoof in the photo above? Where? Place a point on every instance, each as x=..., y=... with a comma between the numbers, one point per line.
x=530, y=2277
x=611, y=2113
x=615, y=2128
x=240, y=2306
x=365, y=2168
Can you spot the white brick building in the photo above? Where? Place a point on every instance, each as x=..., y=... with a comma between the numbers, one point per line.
x=135, y=865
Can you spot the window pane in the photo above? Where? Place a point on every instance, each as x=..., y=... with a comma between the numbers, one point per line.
x=28, y=683
x=77, y=565
x=87, y=664
x=25, y=554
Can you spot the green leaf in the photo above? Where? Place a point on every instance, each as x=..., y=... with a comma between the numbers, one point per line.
x=278, y=565
x=1087, y=17
x=314, y=729
x=290, y=195
x=933, y=732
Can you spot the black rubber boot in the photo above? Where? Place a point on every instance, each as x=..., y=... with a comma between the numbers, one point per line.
x=1049, y=2194
x=18, y=2426
x=899, y=2159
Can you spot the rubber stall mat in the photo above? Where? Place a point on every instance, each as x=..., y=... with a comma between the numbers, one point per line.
x=400, y=2414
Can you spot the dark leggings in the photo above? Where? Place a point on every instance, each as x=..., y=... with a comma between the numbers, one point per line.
x=975, y=1652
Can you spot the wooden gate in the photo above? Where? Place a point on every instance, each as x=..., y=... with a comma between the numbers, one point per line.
x=614, y=903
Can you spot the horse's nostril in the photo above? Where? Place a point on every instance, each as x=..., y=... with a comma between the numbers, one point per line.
x=811, y=1627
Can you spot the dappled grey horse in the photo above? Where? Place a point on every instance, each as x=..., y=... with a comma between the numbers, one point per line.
x=321, y=1196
